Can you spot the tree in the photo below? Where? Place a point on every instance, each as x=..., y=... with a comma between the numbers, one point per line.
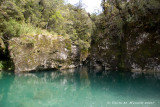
x=123, y=23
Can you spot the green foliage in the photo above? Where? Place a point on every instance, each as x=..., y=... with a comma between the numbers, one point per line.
x=68, y=44
x=84, y=45
x=6, y=65
x=13, y=28
x=12, y=10
x=57, y=16
x=51, y=15
x=130, y=31
x=1, y=65
x=46, y=17
x=16, y=29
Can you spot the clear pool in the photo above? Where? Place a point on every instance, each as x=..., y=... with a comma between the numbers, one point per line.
x=79, y=87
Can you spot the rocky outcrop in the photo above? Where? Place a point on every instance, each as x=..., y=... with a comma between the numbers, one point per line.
x=142, y=54
x=32, y=53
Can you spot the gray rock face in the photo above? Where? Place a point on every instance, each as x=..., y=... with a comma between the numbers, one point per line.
x=31, y=53
x=141, y=54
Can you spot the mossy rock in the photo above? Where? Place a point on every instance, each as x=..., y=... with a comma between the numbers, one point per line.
x=47, y=52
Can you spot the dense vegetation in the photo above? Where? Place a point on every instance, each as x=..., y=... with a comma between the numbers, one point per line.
x=45, y=17
x=128, y=34
x=125, y=35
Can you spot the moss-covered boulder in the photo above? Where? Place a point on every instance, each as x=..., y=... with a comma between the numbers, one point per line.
x=39, y=52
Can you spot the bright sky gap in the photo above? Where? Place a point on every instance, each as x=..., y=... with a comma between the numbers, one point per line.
x=92, y=6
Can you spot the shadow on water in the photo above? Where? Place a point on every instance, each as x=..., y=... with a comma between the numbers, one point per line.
x=126, y=83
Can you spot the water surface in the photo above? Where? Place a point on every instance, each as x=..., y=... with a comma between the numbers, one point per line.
x=79, y=88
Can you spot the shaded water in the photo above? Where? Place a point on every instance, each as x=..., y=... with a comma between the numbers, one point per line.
x=79, y=88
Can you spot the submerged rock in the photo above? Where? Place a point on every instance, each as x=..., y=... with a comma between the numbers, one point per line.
x=32, y=53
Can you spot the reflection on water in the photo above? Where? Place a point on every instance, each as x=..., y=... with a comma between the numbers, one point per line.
x=78, y=88
x=85, y=82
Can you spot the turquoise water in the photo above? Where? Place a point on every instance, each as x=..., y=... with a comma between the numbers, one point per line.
x=79, y=88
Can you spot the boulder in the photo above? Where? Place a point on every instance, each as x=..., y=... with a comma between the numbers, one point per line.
x=41, y=52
